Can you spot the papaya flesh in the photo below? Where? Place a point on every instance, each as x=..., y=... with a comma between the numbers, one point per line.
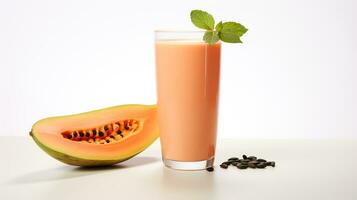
x=98, y=138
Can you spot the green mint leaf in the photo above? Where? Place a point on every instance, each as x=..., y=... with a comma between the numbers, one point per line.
x=231, y=32
x=211, y=37
x=219, y=26
x=202, y=19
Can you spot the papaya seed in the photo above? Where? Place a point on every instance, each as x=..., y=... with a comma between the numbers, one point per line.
x=81, y=134
x=101, y=134
x=120, y=133
x=126, y=125
x=117, y=123
x=115, y=127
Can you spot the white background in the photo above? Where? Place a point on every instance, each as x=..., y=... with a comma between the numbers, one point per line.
x=293, y=77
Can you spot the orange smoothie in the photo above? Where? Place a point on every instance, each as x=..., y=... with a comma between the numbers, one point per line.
x=187, y=91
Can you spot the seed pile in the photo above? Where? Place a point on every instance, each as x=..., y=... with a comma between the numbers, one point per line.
x=247, y=162
x=107, y=134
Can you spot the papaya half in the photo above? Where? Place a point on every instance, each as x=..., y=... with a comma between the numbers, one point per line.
x=98, y=138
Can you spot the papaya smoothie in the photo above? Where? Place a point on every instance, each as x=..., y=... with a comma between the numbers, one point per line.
x=187, y=75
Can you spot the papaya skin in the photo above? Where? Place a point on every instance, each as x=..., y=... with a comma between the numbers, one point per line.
x=85, y=162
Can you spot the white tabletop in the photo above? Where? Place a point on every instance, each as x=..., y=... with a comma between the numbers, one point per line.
x=305, y=169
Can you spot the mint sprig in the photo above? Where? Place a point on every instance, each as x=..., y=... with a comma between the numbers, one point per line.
x=230, y=32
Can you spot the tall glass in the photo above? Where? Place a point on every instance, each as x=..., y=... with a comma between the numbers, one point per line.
x=187, y=73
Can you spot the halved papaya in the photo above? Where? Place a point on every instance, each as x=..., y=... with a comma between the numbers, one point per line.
x=98, y=138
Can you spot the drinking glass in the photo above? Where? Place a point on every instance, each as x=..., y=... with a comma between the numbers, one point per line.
x=187, y=75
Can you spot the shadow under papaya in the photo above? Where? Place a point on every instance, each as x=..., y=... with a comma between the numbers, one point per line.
x=68, y=172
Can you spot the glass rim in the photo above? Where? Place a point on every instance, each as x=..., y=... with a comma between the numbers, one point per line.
x=178, y=31
x=179, y=35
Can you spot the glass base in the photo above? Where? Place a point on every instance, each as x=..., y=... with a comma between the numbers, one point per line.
x=190, y=165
